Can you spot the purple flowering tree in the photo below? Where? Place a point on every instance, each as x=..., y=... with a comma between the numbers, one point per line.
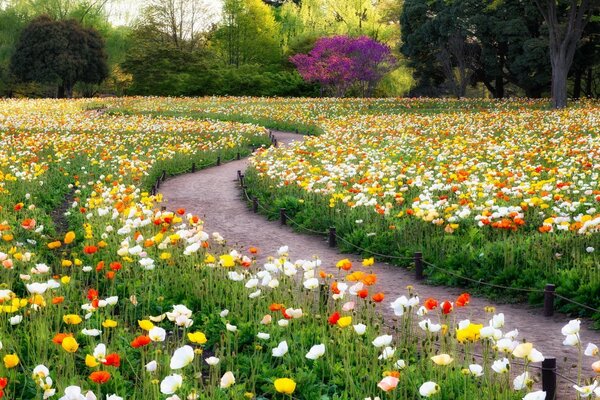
x=339, y=63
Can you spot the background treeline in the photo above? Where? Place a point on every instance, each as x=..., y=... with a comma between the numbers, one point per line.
x=491, y=48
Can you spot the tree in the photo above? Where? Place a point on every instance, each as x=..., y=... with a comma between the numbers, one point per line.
x=514, y=48
x=587, y=57
x=502, y=41
x=182, y=22
x=457, y=57
x=61, y=53
x=249, y=33
x=339, y=63
x=564, y=38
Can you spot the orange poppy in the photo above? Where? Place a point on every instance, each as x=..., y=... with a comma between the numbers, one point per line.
x=100, y=377
x=140, y=341
x=59, y=337
x=463, y=300
x=378, y=297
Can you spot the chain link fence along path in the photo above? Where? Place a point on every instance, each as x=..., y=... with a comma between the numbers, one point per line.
x=214, y=194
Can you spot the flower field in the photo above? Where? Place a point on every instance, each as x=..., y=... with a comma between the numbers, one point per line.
x=106, y=295
x=501, y=192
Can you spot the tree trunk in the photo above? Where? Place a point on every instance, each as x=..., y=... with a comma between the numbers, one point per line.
x=499, y=93
x=588, y=82
x=489, y=87
x=563, y=39
x=577, y=83
x=560, y=71
x=61, y=91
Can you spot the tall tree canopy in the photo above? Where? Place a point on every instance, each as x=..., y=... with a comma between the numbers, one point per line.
x=492, y=42
x=249, y=33
x=61, y=53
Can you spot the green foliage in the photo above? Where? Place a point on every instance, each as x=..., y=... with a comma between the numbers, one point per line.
x=397, y=83
x=249, y=34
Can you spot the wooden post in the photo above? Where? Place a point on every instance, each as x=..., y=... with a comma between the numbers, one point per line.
x=242, y=180
x=163, y=208
x=254, y=204
x=239, y=174
x=549, y=377
x=419, y=266
x=239, y=156
x=193, y=167
x=282, y=216
x=164, y=175
x=332, y=238
x=218, y=160
x=549, y=300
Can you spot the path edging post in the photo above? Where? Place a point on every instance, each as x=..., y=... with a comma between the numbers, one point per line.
x=332, y=238
x=549, y=300
x=282, y=216
x=549, y=377
x=419, y=266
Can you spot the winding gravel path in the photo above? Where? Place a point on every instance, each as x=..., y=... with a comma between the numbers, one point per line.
x=214, y=194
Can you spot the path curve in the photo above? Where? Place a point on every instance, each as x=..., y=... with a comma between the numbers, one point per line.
x=215, y=195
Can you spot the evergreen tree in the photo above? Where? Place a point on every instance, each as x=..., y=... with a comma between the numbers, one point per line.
x=61, y=53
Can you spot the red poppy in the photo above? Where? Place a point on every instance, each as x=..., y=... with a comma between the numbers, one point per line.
x=3, y=383
x=431, y=303
x=463, y=300
x=285, y=314
x=100, y=266
x=113, y=360
x=447, y=307
x=333, y=318
x=378, y=297
x=181, y=211
x=100, y=377
x=90, y=249
x=115, y=265
x=18, y=206
x=110, y=274
x=363, y=293
x=92, y=294
x=140, y=341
